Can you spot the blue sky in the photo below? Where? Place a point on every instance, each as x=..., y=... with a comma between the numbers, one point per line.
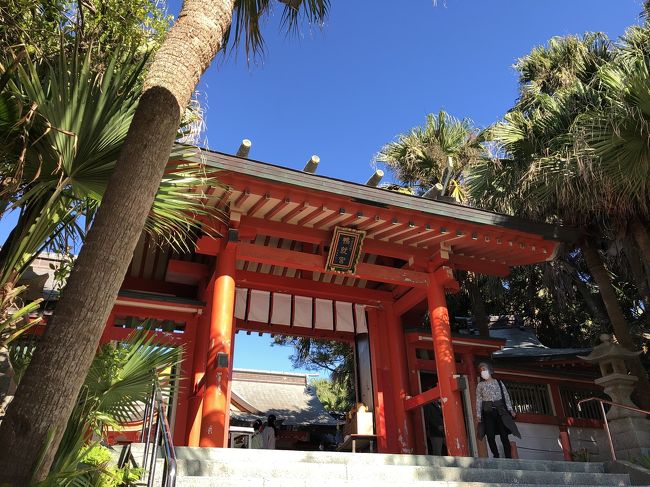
x=375, y=70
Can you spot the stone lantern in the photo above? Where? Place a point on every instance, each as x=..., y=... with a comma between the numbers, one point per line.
x=630, y=430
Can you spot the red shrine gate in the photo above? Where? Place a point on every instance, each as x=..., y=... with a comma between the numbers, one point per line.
x=307, y=255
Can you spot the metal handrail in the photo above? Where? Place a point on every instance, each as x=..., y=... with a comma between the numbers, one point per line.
x=162, y=436
x=602, y=401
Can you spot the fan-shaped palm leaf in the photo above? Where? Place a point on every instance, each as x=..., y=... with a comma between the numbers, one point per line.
x=83, y=119
x=437, y=152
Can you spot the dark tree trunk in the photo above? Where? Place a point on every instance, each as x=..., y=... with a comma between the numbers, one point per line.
x=639, y=231
x=637, y=269
x=592, y=301
x=619, y=324
x=7, y=381
x=478, y=305
x=47, y=392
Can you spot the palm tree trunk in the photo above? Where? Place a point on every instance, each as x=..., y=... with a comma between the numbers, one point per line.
x=478, y=305
x=637, y=269
x=7, y=382
x=619, y=324
x=47, y=392
x=639, y=231
x=594, y=305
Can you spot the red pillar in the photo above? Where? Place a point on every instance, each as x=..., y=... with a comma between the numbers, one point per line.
x=216, y=399
x=199, y=365
x=417, y=418
x=184, y=388
x=399, y=379
x=379, y=384
x=450, y=399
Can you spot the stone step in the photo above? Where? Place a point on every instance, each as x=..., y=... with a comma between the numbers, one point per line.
x=282, y=457
x=248, y=482
x=277, y=468
x=389, y=473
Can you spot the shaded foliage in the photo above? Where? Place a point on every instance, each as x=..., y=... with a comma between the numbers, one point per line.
x=329, y=356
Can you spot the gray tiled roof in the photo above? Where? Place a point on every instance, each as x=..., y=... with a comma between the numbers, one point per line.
x=293, y=404
x=523, y=342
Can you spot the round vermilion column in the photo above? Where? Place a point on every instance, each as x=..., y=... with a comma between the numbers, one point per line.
x=216, y=399
x=199, y=365
x=452, y=409
x=399, y=380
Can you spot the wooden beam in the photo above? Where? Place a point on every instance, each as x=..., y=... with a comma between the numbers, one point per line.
x=194, y=270
x=335, y=215
x=422, y=399
x=310, y=216
x=298, y=331
x=282, y=204
x=316, y=263
x=409, y=300
x=358, y=215
x=407, y=234
x=298, y=209
x=310, y=288
x=260, y=226
x=480, y=266
x=160, y=287
x=426, y=234
x=241, y=199
x=264, y=199
x=369, y=223
x=380, y=229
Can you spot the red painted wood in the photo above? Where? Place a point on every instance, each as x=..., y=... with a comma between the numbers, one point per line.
x=298, y=209
x=160, y=287
x=422, y=398
x=379, y=391
x=277, y=208
x=315, y=263
x=452, y=409
x=216, y=400
x=399, y=380
x=409, y=300
x=419, y=434
x=193, y=269
x=319, y=237
x=184, y=392
x=298, y=331
x=314, y=289
x=208, y=246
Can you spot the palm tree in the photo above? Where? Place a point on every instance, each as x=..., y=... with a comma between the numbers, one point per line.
x=549, y=171
x=617, y=137
x=118, y=383
x=60, y=169
x=434, y=154
x=44, y=400
x=63, y=127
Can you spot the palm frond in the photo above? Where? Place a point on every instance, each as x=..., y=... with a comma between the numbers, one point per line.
x=249, y=14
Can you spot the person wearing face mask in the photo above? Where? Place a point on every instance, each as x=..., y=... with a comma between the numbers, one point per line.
x=494, y=411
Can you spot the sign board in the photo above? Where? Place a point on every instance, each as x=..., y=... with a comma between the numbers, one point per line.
x=345, y=250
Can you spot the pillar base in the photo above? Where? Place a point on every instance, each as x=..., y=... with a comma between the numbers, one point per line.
x=631, y=437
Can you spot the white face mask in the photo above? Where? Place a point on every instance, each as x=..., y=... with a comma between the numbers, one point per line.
x=485, y=374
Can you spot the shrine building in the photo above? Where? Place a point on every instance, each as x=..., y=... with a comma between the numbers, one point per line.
x=305, y=255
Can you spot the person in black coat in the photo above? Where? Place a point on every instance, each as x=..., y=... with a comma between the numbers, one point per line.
x=494, y=411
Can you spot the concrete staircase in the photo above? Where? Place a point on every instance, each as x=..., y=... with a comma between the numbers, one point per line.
x=203, y=467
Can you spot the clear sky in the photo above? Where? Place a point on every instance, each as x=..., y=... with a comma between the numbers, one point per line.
x=375, y=70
